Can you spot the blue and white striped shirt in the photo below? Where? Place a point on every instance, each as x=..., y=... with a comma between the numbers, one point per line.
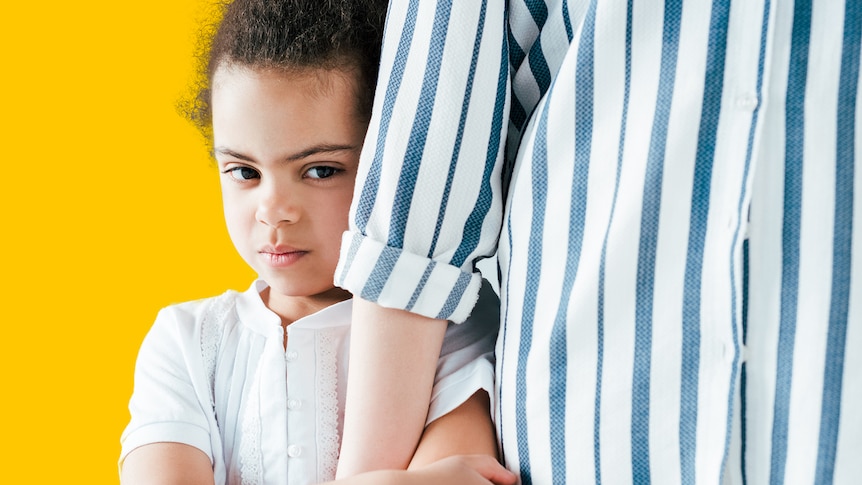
x=669, y=186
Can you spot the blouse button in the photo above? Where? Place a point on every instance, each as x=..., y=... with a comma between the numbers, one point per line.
x=294, y=451
x=292, y=355
x=294, y=404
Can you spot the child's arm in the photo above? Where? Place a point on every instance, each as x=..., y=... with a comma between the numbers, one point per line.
x=179, y=464
x=166, y=464
x=466, y=430
x=460, y=410
x=459, y=414
x=458, y=447
x=166, y=441
x=381, y=441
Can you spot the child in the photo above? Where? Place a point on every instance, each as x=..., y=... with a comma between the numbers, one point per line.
x=249, y=387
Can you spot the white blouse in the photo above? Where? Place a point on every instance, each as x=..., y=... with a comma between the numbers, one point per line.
x=214, y=374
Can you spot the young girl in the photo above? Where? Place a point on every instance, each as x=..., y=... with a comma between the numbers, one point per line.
x=249, y=387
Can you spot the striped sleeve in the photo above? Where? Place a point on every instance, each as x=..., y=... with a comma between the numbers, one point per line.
x=428, y=202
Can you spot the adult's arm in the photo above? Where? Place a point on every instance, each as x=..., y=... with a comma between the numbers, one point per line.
x=427, y=205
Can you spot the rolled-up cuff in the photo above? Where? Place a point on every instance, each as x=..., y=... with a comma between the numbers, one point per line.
x=394, y=278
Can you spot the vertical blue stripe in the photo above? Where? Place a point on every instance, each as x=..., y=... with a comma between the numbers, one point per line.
x=539, y=67
x=534, y=264
x=518, y=115
x=539, y=181
x=539, y=12
x=418, y=134
x=743, y=374
x=501, y=357
x=365, y=204
x=603, y=261
x=649, y=226
x=600, y=352
x=745, y=275
x=704, y=158
x=794, y=141
x=743, y=215
x=473, y=225
x=517, y=53
x=841, y=245
x=355, y=242
x=567, y=20
x=422, y=281
x=465, y=107
x=380, y=274
x=536, y=57
x=454, y=298
x=558, y=346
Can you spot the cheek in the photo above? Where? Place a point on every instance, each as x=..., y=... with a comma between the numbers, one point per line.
x=343, y=208
x=337, y=218
x=236, y=217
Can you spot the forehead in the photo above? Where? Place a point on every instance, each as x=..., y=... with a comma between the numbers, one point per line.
x=276, y=110
x=317, y=81
x=273, y=88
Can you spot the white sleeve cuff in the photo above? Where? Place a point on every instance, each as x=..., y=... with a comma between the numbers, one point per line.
x=455, y=389
x=166, y=432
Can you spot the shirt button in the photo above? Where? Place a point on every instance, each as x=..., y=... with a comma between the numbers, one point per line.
x=294, y=451
x=747, y=102
x=294, y=404
x=291, y=356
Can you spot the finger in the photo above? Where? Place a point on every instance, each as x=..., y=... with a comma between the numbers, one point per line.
x=491, y=469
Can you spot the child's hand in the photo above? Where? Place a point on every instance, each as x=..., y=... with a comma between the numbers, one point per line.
x=460, y=469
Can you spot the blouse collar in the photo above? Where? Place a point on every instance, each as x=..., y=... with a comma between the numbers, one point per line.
x=254, y=314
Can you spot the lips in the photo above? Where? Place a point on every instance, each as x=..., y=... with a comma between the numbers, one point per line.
x=281, y=256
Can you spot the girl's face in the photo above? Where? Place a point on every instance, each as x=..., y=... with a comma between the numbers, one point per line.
x=287, y=146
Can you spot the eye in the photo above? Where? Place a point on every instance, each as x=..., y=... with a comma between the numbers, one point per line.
x=322, y=172
x=242, y=173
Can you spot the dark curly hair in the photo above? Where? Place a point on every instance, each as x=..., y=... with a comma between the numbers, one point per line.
x=289, y=35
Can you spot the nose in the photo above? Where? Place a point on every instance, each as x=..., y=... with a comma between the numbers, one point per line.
x=277, y=206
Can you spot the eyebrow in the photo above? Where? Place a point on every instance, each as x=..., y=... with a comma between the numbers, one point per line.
x=313, y=150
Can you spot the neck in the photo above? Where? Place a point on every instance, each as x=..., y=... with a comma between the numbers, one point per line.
x=292, y=308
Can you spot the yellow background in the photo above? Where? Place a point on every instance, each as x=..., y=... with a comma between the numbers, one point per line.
x=110, y=209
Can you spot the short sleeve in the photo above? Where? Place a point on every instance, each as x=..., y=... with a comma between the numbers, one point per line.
x=169, y=402
x=466, y=362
